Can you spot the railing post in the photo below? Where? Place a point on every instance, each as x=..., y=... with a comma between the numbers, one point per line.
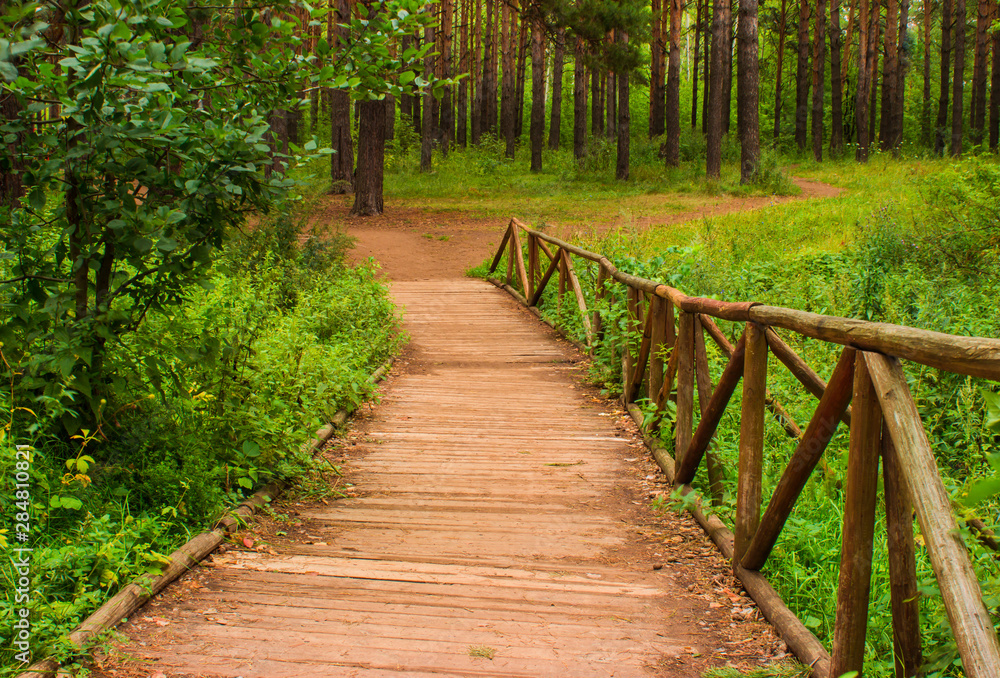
x=716, y=476
x=658, y=337
x=751, y=439
x=510, y=255
x=602, y=275
x=854, y=585
x=902, y=564
x=631, y=321
x=532, y=265
x=685, y=386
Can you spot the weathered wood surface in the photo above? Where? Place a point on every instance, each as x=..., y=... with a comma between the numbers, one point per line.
x=489, y=515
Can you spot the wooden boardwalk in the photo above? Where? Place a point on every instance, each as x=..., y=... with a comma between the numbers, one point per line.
x=486, y=538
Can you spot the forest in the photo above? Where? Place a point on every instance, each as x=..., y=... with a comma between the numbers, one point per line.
x=174, y=326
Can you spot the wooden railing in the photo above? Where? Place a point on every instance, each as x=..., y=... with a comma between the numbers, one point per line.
x=867, y=391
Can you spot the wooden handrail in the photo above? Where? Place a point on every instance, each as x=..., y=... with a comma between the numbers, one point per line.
x=885, y=424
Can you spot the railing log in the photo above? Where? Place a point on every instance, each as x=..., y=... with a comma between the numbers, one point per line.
x=960, y=591
x=628, y=361
x=669, y=374
x=751, y=464
x=902, y=564
x=716, y=473
x=581, y=302
x=597, y=322
x=854, y=585
x=712, y=414
x=499, y=256
x=518, y=256
x=807, y=454
x=642, y=359
x=540, y=288
x=685, y=385
x=532, y=267
x=658, y=341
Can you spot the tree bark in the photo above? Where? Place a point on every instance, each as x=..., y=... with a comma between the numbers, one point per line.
x=427, y=129
x=926, y=131
x=624, y=119
x=672, y=146
x=695, y=62
x=656, y=70
x=861, y=108
x=610, y=126
x=371, y=158
x=447, y=118
x=596, y=103
x=462, y=117
x=958, y=80
x=747, y=99
x=476, y=82
x=890, y=72
x=727, y=66
x=818, y=80
x=836, y=82
x=522, y=69
x=489, y=100
x=508, y=87
x=802, y=77
x=947, y=24
x=579, y=101
x=707, y=32
x=555, y=114
x=899, y=88
x=11, y=186
x=713, y=161
x=995, y=85
x=977, y=118
x=782, y=28
x=537, y=130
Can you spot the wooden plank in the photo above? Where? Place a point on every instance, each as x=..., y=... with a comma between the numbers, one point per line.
x=902, y=564
x=685, y=385
x=751, y=440
x=712, y=413
x=807, y=454
x=963, y=601
x=854, y=584
x=580, y=300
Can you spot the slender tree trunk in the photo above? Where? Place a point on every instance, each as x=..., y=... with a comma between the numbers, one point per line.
x=624, y=119
x=579, y=101
x=899, y=87
x=596, y=103
x=656, y=71
x=555, y=117
x=462, y=119
x=537, y=130
x=695, y=63
x=508, y=87
x=427, y=131
x=673, y=109
x=861, y=108
x=447, y=97
x=818, y=79
x=947, y=24
x=342, y=158
x=782, y=28
x=802, y=77
x=926, y=131
x=995, y=85
x=371, y=158
x=713, y=161
x=747, y=99
x=610, y=127
x=11, y=186
x=476, y=108
x=522, y=70
x=727, y=66
x=845, y=64
x=890, y=72
x=958, y=80
x=977, y=120
x=836, y=82
x=489, y=101
x=873, y=55
x=707, y=38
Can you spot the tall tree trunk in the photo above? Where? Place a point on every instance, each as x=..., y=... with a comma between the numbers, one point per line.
x=371, y=158
x=890, y=72
x=845, y=64
x=610, y=127
x=947, y=24
x=802, y=77
x=489, y=101
x=727, y=66
x=656, y=71
x=695, y=63
x=508, y=87
x=579, y=101
x=958, y=80
x=462, y=119
x=11, y=186
x=713, y=160
x=977, y=119
x=427, y=130
x=522, y=69
x=596, y=103
x=899, y=87
x=673, y=109
x=818, y=79
x=476, y=107
x=555, y=116
x=836, y=82
x=995, y=85
x=537, y=129
x=782, y=28
x=747, y=100
x=708, y=28
x=342, y=158
x=861, y=108
x=873, y=55
x=926, y=131
x=447, y=97
x=624, y=119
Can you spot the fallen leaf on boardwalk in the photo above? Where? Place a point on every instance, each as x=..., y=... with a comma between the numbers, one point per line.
x=159, y=621
x=715, y=605
x=567, y=463
x=248, y=542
